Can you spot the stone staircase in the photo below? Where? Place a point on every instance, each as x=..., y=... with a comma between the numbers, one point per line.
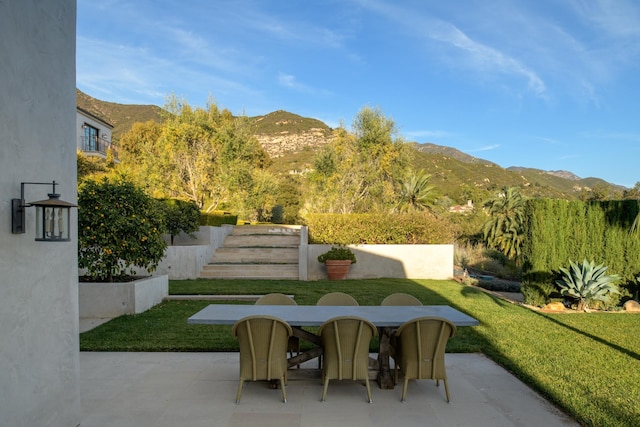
x=256, y=252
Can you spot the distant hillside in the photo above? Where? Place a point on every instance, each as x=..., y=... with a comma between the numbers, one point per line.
x=430, y=148
x=294, y=140
x=121, y=116
x=281, y=132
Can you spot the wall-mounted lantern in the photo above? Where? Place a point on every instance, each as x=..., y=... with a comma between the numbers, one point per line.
x=52, y=215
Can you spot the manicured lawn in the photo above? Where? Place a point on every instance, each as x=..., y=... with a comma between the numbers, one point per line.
x=586, y=363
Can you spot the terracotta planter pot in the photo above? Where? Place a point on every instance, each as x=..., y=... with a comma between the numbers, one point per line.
x=337, y=269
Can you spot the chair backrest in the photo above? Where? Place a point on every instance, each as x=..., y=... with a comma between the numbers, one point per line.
x=263, y=346
x=337, y=298
x=275, y=299
x=422, y=346
x=401, y=299
x=345, y=340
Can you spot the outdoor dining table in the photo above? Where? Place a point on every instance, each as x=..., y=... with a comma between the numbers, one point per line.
x=385, y=318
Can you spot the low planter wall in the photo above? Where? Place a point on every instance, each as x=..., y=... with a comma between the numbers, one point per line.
x=116, y=299
x=184, y=260
x=389, y=261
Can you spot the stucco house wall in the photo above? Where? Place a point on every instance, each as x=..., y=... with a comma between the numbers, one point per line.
x=39, y=358
x=104, y=137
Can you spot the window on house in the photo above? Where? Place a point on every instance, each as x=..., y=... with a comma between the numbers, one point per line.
x=90, y=138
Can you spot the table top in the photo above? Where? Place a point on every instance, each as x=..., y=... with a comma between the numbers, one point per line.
x=315, y=315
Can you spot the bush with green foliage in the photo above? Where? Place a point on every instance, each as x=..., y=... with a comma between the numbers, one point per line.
x=277, y=214
x=338, y=253
x=217, y=219
x=587, y=282
x=560, y=230
x=119, y=227
x=409, y=228
x=537, y=294
x=180, y=217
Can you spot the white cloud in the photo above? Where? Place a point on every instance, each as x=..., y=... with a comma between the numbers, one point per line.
x=485, y=148
x=486, y=58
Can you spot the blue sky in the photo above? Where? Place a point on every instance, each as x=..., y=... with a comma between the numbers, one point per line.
x=546, y=84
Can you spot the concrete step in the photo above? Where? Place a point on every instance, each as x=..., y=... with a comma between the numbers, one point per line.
x=240, y=255
x=261, y=241
x=251, y=271
x=268, y=229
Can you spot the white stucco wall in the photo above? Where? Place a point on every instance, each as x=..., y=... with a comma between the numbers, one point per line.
x=39, y=359
x=390, y=261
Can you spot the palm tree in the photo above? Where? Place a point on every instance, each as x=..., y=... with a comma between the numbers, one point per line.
x=416, y=194
x=503, y=230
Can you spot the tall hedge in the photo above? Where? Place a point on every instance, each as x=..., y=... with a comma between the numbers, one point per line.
x=559, y=231
x=410, y=228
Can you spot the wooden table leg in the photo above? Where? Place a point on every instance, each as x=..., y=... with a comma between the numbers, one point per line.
x=309, y=354
x=385, y=379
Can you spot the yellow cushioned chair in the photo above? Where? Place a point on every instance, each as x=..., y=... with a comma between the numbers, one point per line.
x=346, y=350
x=400, y=299
x=421, y=344
x=263, y=350
x=337, y=298
x=282, y=299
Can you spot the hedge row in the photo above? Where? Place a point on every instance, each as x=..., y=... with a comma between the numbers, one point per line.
x=559, y=231
x=218, y=219
x=410, y=228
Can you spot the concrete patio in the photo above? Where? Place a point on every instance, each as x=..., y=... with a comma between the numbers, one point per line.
x=198, y=389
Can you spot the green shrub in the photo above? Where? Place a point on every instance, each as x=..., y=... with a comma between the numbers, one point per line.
x=338, y=253
x=119, y=227
x=277, y=214
x=180, y=216
x=218, y=219
x=409, y=228
x=537, y=294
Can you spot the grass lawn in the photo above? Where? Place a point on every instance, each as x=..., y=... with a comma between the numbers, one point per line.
x=588, y=364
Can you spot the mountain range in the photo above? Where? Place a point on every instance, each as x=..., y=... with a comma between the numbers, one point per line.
x=292, y=140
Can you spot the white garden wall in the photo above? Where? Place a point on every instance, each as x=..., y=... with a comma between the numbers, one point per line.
x=389, y=261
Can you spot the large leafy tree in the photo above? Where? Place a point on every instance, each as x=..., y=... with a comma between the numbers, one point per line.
x=503, y=230
x=357, y=171
x=203, y=155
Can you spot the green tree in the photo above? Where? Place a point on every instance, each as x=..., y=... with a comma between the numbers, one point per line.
x=180, y=217
x=633, y=193
x=357, y=171
x=204, y=155
x=89, y=166
x=503, y=230
x=416, y=193
x=119, y=227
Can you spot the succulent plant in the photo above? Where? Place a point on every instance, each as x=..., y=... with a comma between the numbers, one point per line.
x=587, y=282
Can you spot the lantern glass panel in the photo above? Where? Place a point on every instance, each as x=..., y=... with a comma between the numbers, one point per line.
x=52, y=223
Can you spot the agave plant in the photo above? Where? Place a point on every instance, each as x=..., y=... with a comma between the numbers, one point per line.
x=587, y=282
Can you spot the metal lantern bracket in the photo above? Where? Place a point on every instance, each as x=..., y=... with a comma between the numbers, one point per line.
x=48, y=228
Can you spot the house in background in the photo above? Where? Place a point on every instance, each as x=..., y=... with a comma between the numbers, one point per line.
x=94, y=135
x=462, y=208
